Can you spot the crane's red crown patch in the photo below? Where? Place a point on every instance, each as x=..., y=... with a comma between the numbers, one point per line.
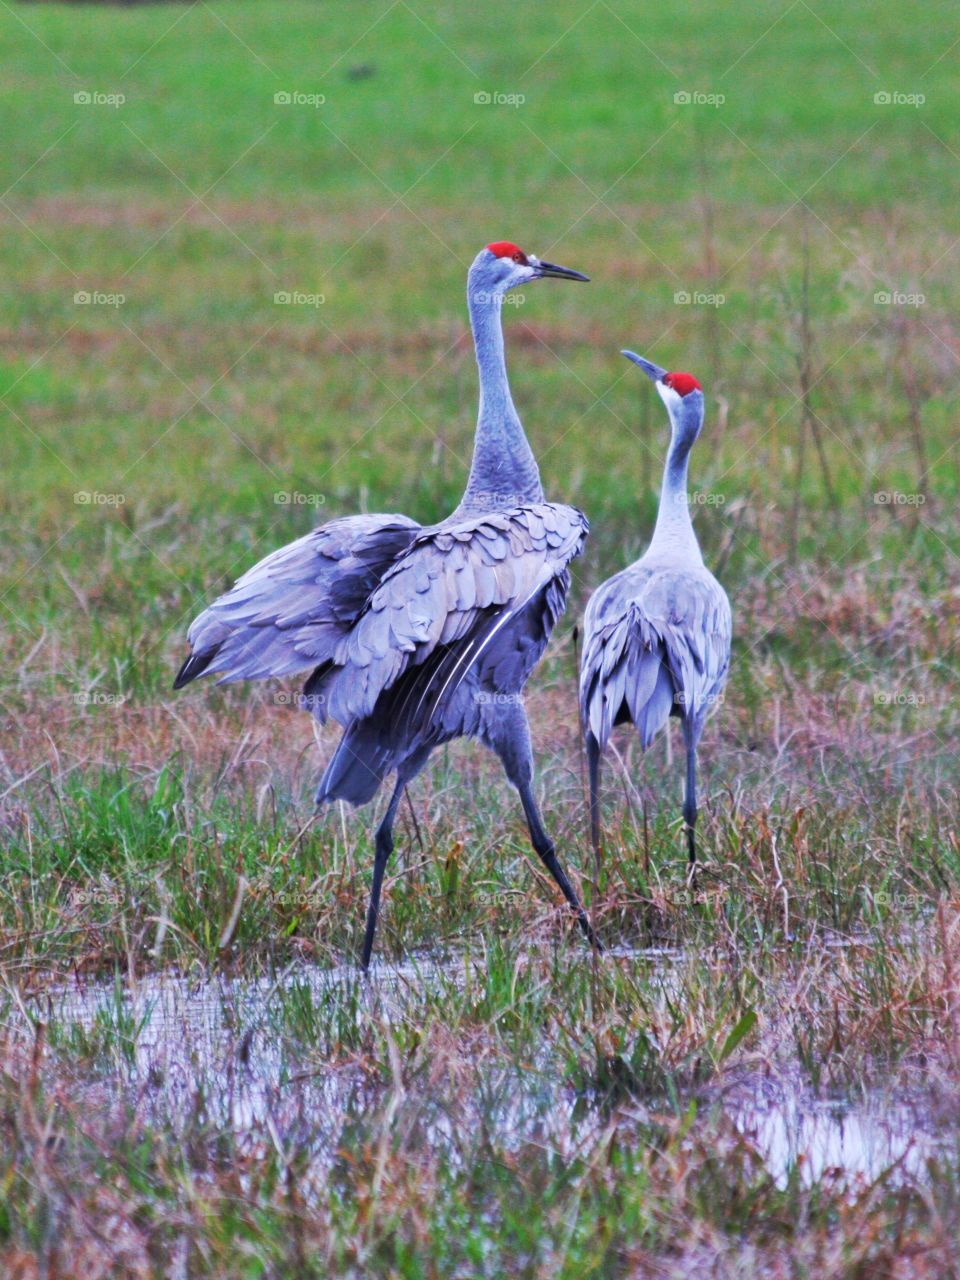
x=682, y=383
x=507, y=249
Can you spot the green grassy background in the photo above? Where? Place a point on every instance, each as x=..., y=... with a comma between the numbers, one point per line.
x=831, y=770
x=198, y=199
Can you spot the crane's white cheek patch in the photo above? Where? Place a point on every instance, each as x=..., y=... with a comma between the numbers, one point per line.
x=672, y=399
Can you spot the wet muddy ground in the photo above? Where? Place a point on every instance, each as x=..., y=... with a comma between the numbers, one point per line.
x=239, y=1055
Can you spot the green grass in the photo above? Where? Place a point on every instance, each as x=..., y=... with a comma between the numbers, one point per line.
x=144, y=832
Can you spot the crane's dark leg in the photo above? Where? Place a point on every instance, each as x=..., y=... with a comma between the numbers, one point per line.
x=510, y=739
x=544, y=847
x=593, y=769
x=690, y=795
x=383, y=847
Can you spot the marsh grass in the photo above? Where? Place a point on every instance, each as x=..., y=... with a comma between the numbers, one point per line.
x=514, y=1108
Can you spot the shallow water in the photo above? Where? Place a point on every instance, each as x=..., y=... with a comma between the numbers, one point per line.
x=795, y=1130
x=175, y=1048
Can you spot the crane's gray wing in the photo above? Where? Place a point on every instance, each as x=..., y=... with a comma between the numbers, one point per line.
x=692, y=614
x=421, y=708
x=289, y=612
x=614, y=641
x=654, y=640
x=444, y=604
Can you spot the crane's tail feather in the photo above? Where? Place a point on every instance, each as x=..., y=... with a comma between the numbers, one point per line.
x=358, y=767
x=195, y=666
x=652, y=715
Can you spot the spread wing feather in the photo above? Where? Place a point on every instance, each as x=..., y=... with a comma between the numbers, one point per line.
x=290, y=611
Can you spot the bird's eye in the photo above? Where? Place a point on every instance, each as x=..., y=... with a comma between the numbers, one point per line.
x=518, y=256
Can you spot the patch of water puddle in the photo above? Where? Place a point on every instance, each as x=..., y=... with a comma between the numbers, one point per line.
x=795, y=1130
x=174, y=1042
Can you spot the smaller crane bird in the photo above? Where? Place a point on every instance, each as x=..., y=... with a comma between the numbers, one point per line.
x=657, y=634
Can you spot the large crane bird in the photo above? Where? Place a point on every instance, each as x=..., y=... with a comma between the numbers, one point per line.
x=414, y=635
x=657, y=634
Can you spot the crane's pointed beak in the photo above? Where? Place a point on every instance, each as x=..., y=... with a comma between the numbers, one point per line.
x=550, y=271
x=653, y=371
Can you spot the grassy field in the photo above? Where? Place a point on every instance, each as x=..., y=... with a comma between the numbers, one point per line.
x=762, y=194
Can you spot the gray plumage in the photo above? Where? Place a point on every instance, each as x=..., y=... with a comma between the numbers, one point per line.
x=657, y=635
x=653, y=638
x=416, y=635
x=289, y=612
x=455, y=627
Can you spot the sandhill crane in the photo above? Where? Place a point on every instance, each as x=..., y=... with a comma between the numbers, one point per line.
x=657, y=634
x=417, y=635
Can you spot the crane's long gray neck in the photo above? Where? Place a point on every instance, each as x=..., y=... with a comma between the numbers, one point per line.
x=504, y=471
x=674, y=528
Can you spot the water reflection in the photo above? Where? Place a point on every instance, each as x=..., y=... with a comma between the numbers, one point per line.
x=241, y=1058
